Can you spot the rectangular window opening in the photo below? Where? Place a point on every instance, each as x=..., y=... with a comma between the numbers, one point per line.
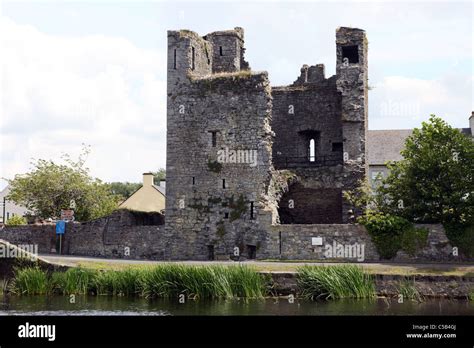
x=220, y=51
x=223, y=183
x=193, y=59
x=194, y=180
x=351, y=53
x=251, y=211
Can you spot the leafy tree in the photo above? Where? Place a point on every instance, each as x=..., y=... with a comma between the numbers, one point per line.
x=50, y=187
x=434, y=182
x=159, y=175
x=124, y=189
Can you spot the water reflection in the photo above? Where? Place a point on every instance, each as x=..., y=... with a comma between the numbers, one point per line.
x=108, y=305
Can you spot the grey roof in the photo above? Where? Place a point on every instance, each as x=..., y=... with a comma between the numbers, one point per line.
x=161, y=189
x=385, y=145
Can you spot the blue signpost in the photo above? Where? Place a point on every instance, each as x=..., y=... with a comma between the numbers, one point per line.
x=60, y=229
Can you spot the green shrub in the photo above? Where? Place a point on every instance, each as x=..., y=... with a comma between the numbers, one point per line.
x=413, y=239
x=16, y=220
x=385, y=231
x=391, y=233
x=334, y=282
x=461, y=236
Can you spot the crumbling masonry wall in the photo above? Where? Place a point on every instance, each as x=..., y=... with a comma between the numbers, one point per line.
x=332, y=114
x=221, y=206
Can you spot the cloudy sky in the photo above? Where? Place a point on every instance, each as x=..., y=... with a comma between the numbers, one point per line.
x=95, y=72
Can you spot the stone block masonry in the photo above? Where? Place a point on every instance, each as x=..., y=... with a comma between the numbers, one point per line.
x=119, y=236
x=314, y=129
x=123, y=234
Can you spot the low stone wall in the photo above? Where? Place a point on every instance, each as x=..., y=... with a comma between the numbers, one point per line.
x=296, y=242
x=120, y=235
x=346, y=242
x=458, y=287
x=132, y=235
x=42, y=235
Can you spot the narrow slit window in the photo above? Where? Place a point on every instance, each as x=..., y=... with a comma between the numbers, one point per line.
x=174, y=59
x=226, y=215
x=312, y=151
x=251, y=211
x=220, y=51
x=193, y=62
x=194, y=180
x=223, y=184
x=214, y=138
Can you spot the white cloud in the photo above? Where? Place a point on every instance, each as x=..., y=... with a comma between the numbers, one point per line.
x=59, y=92
x=403, y=102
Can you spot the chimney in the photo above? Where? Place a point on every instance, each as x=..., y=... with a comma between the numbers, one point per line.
x=148, y=179
x=471, y=123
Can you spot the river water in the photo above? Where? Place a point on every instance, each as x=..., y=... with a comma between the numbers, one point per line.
x=109, y=305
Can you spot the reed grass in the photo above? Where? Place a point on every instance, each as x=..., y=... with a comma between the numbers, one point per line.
x=335, y=282
x=408, y=290
x=73, y=281
x=30, y=281
x=170, y=280
x=202, y=282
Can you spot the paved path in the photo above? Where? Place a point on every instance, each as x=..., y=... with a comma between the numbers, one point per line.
x=274, y=266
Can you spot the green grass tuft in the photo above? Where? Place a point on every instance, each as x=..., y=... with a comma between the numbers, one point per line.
x=408, y=290
x=334, y=282
x=30, y=281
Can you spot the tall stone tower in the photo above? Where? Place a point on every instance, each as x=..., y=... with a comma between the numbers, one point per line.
x=218, y=148
x=352, y=84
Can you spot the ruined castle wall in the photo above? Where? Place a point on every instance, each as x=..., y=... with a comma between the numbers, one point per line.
x=316, y=108
x=309, y=109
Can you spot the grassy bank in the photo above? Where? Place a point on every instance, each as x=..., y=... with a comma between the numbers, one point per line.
x=159, y=281
x=346, y=281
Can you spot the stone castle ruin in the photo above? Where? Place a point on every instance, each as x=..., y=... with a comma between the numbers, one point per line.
x=246, y=160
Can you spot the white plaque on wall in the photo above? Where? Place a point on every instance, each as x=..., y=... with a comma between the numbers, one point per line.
x=316, y=241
